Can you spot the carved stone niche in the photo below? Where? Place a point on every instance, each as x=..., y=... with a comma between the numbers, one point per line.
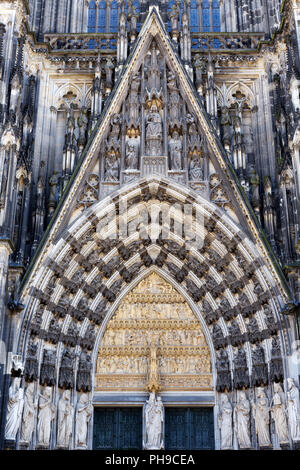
x=66, y=372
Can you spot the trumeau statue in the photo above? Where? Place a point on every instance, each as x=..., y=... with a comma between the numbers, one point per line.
x=225, y=423
x=279, y=414
x=261, y=413
x=45, y=417
x=242, y=421
x=154, y=418
x=83, y=416
x=65, y=420
x=14, y=409
x=293, y=410
x=30, y=407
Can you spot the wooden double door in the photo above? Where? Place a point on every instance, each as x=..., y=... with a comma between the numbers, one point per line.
x=186, y=428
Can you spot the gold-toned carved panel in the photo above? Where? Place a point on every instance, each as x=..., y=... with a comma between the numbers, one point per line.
x=154, y=342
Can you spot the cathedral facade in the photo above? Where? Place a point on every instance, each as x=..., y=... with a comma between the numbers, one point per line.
x=149, y=224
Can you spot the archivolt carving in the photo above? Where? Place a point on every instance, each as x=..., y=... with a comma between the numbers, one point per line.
x=88, y=273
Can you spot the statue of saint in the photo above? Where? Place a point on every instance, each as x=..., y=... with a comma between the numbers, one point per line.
x=65, y=420
x=175, y=147
x=196, y=169
x=132, y=147
x=45, y=417
x=154, y=418
x=242, y=421
x=154, y=131
x=225, y=423
x=30, y=407
x=262, y=418
x=83, y=416
x=293, y=410
x=278, y=412
x=14, y=409
x=111, y=166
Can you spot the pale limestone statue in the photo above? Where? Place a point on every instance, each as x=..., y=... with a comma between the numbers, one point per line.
x=242, y=421
x=14, y=409
x=293, y=410
x=132, y=148
x=83, y=416
x=225, y=423
x=154, y=418
x=175, y=148
x=279, y=415
x=154, y=131
x=45, y=417
x=65, y=420
x=261, y=413
x=30, y=407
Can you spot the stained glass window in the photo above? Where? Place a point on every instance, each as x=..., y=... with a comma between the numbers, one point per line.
x=194, y=17
x=101, y=17
x=114, y=17
x=92, y=17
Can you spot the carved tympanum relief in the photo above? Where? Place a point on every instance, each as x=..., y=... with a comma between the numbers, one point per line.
x=154, y=316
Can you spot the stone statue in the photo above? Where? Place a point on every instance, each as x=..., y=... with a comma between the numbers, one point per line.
x=30, y=407
x=133, y=17
x=45, y=417
x=225, y=422
x=14, y=409
x=174, y=17
x=293, y=410
x=154, y=418
x=132, y=149
x=65, y=420
x=242, y=421
x=111, y=166
x=175, y=147
x=279, y=415
x=196, y=168
x=133, y=101
x=83, y=416
x=173, y=100
x=261, y=413
x=154, y=131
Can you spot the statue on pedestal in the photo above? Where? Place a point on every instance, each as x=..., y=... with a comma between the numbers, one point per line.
x=14, y=409
x=225, y=423
x=242, y=421
x=46, y=415
x=154, y=418
x=154, y=132
x=30, y=407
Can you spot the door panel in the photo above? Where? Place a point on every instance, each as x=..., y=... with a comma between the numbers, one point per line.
x=117, y=428
x=189, y=428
